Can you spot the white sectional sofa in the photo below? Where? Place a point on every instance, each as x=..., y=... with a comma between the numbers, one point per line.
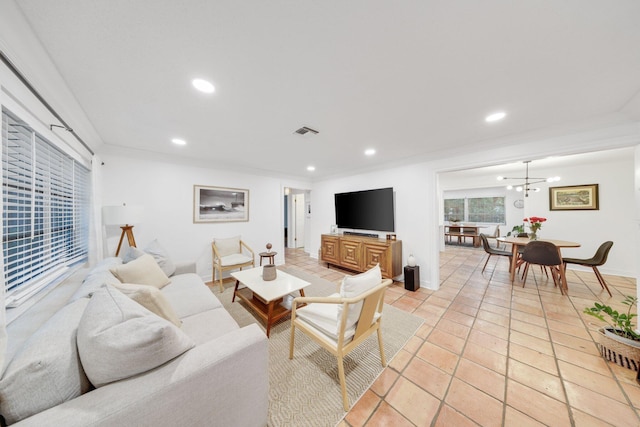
x=219, y=378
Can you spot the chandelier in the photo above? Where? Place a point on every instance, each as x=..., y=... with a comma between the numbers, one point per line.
x=528, y=181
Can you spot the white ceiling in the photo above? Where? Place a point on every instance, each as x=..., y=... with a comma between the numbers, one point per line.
x=408, y=78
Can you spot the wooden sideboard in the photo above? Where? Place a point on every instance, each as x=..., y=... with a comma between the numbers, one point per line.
x=362, y=253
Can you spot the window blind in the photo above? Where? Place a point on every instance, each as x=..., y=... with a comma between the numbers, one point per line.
x=45, y=216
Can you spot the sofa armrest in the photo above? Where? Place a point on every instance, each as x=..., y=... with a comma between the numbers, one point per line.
x=185, y=267
x=223, y=382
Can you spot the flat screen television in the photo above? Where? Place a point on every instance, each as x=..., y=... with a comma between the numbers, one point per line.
x=366, y=210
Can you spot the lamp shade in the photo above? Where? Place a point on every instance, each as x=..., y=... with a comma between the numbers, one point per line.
x=121, y=215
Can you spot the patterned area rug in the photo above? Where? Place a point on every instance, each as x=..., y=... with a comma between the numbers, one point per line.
x=305, y=391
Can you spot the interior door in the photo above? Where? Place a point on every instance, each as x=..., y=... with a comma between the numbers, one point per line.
x=298, y=220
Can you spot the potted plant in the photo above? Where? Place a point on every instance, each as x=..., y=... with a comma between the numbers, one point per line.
x=516, y=230
x=619, y=341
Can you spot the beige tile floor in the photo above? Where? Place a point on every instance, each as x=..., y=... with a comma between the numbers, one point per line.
x=495, y=354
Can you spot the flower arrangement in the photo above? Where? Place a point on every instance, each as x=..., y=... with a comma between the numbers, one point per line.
x=535, y=223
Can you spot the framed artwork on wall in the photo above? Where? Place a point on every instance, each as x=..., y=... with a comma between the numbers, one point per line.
x=220, y=204
x=574, y=198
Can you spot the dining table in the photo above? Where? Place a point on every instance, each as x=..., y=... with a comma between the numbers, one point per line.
x=461, y=230
x=517, y=242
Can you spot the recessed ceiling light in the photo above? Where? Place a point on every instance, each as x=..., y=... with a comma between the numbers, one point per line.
x=369, y=152
x=203, y=85
x=311, y=168
x=179, y=141
x=495, y=117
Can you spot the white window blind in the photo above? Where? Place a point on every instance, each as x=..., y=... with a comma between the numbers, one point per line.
x=45, y=216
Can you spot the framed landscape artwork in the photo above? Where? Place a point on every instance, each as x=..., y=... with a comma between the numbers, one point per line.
x=574, y=198
x=220, y=204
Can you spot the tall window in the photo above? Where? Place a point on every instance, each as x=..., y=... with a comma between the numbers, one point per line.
x=486, y=209
x=45, y=213
x=477, y=209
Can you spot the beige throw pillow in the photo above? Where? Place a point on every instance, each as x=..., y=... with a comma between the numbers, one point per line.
x=150, y=298
x=118, y=338
x=141, y=271
x=353, y=286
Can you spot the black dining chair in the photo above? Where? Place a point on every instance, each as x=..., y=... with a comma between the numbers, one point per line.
x=594, y=262
x=492, y=251
x=544, y=254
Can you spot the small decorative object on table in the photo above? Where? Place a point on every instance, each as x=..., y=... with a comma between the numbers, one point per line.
x=270, y=256
x=535, y=224
x=618, y=342
x=411, y=261
x=269, y=272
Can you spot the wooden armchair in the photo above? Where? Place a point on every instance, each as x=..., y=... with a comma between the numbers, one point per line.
x=228, y=255
x=341, y=322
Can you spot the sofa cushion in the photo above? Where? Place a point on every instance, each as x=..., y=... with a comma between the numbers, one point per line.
x=97, y=277
x=46, y=371
x=150, y=298
x=353, y=286
x=188, y=295
x=118, y=338
x=235, y=259
x=142, y=271
x=208, y=325
x=227, y=246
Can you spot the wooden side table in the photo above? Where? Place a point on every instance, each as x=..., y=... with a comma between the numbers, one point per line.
x=269, y=255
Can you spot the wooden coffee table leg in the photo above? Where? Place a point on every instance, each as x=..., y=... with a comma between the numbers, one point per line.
x=234, y=291
x=269, y=316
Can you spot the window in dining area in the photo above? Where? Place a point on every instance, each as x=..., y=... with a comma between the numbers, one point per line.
x=486, y=209
x=454, y=210
x=475, y=209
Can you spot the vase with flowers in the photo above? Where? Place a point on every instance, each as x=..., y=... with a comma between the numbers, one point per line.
x=535, y=224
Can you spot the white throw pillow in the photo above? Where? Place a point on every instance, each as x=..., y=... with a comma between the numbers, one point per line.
x=46, y=371
x=161, y=256
x=142, y=271
x=353, y=286
x=228, y=246
x=118, y=338
x=150, y=298
x=131, y=253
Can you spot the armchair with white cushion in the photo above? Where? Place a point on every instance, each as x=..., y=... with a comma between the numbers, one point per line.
x=342, y=321
x=230, y=254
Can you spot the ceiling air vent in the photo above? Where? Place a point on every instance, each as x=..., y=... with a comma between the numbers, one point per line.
x=305, y=130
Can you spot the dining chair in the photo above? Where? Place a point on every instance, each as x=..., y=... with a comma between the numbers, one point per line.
x=545, y=254
x=495, y=235
x=230, y=254
x=492, y=251
x=594, y=262
x=342, y=321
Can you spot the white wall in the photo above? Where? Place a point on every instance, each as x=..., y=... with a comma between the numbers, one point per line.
x=165, y=191
x=412, y=207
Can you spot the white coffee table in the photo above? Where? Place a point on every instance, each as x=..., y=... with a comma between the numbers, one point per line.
x=269, y=299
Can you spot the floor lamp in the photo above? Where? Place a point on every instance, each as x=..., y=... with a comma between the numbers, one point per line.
x=118, y=215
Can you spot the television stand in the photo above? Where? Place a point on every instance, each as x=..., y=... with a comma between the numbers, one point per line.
x=360, y=253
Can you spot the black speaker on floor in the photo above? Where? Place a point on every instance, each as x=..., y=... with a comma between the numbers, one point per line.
x=412, y=278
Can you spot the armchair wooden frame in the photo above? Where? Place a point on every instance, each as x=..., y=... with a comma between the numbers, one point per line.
x=367, y=324
x=217, y=263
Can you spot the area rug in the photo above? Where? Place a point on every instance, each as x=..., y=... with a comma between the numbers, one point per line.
x=305, y=391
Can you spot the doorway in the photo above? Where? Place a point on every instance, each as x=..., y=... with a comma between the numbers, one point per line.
x=295, y=202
